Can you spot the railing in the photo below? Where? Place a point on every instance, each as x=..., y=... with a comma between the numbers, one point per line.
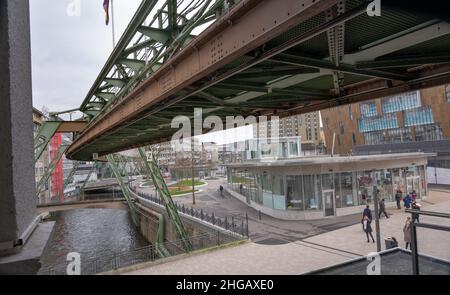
x=144, y=254
x=235, y=224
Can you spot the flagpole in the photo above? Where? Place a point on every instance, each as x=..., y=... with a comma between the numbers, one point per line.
x=112, y=24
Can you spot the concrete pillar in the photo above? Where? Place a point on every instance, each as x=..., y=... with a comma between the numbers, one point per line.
x=17, y=183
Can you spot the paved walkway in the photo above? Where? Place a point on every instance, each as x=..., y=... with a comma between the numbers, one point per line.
x=295, y=257
x=267, y=230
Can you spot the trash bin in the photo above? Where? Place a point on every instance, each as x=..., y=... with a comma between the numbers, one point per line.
x=390, y=243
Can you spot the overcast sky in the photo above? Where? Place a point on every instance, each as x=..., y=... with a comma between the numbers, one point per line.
x=68, y=52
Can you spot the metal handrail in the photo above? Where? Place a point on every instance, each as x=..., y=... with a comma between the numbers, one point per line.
x=429, y=213
x=144, y=254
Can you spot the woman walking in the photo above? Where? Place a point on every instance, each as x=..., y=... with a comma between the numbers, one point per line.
x=367, y=228
x=407, y=232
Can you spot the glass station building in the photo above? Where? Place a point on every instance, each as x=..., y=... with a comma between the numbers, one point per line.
x=325, y=186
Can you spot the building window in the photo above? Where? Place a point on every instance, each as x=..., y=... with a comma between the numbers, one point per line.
x=341, y=127
x=373, y=138
x=388, y=121
x=400, y=135
x=368, y=109
x=294, y=193
x=429, y=132
x=447, y=92
x=353, y=138
x=402, y=102
x=311, y=196
x=348, y=192
x=350, y=113
x=419, y=116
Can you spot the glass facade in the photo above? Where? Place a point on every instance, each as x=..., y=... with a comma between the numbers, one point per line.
x=368, y=109
x=372, y=138
x=311, y=192
x=419, y=116
x=388, y=121
x=429, y=132
x=400, y=135
x=405, y=101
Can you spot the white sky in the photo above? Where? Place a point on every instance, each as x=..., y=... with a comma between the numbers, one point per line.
x=68, y=53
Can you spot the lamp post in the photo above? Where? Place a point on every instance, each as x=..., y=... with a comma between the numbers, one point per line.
x=192, y=170
x=377, y=215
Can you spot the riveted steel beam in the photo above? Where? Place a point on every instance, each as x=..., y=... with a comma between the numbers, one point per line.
x=218, y=45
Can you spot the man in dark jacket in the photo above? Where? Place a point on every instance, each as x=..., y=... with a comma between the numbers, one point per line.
x=367, y=212
x=398, y=198
x=383, y=209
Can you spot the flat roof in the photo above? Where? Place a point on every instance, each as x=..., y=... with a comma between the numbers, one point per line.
x=318, y=160
x=393, y=262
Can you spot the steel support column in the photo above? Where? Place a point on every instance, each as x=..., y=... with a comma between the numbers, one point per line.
x=154, y=172
x=124, y=188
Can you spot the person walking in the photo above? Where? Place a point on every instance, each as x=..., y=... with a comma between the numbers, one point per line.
x=407, y=232
x=367, y=212
x=407, y=201
x=415, y=206
x=367, y=228
x=383, y=209
x=398, y=198
x=221, y=190
x=413, y=195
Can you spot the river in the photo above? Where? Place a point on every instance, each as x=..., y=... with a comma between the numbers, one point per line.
x=93, y=233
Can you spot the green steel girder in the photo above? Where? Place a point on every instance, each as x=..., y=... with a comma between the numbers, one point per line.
x=134, y=64
x=116, y=82
x=72, y=172
x=403, y=61
x=276, y=72
x=107, y=96
x=154, y=172
x=302, y=61
x=114, y=167
x=170, y=26
x=51, y=167
x=43, y=137
x=262, y=87
x=86, y=180
x=160, y=35
x=139, y=46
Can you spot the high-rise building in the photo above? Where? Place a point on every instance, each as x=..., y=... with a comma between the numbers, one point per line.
x=412, y=121
x=307, y=126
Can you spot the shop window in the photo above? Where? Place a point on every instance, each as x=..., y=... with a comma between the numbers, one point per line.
x=279, y=199
x=347, y=190
x=310, y=192
x=294, y=192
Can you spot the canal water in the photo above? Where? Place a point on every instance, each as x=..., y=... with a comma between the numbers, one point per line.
x=93, y=233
